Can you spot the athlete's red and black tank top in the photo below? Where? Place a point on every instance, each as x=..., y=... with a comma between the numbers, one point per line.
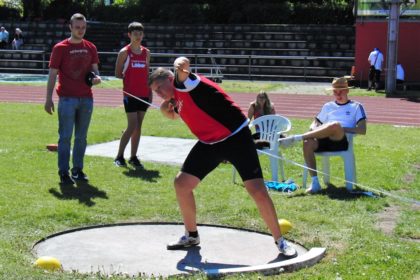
x=136, y=73
x=208, y=111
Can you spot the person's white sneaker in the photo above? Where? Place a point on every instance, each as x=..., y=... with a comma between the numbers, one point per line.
x=314, y=188
x=287, y=142
x=285, y=249
x=184, y=242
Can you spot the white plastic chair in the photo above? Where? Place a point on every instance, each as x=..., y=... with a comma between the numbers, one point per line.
x=270, y=127
x=349, y=164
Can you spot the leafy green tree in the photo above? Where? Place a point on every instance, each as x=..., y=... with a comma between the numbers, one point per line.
x=32, y=9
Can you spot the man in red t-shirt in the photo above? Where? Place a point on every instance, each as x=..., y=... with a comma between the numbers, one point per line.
x=73, y=60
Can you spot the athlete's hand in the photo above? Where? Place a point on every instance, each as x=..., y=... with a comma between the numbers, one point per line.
x=182, y=66
x=168, y=109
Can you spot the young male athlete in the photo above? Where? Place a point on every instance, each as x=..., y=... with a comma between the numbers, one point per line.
x=133, y=67
x=223, y=133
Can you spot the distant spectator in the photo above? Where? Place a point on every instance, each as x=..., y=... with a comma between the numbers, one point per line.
x=375, y=60
x=259, y=107
x=4, y=37
x=18, y=39
x=400, y=74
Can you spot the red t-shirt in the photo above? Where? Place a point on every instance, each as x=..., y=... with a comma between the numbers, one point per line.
x=73, y=62
x=136, y=73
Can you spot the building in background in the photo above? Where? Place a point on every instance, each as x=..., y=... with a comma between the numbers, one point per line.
x=372, y=31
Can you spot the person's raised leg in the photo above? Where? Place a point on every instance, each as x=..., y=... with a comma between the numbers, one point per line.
x=332, y=130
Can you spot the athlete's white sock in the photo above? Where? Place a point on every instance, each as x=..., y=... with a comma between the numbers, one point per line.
x=298, y=137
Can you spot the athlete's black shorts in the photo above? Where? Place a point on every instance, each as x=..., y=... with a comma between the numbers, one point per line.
x=239, y=149
x=328, y=145
x=132, y=104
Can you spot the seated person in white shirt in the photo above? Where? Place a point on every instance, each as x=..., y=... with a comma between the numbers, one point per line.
x=329, y=128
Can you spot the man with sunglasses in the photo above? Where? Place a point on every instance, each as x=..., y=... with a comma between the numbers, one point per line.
x=328, y=130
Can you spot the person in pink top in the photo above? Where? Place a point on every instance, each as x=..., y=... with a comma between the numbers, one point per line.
x=261, y=106
x=75, y=61
x=133, y=67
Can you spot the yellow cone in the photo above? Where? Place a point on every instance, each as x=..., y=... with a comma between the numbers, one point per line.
x=285, y=226
x=48, y=263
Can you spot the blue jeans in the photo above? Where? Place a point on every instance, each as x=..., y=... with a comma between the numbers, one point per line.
x=73, y=112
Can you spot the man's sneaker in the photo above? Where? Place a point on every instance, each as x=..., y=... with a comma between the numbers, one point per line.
x=134, y=161
x=120, y=162
x=65, y=178
x=184, y=242
x=78, y=175
x=287, y=142
x=314, y=188
x=285, y=249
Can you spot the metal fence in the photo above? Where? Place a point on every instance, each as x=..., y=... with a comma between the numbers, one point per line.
x=216, y=66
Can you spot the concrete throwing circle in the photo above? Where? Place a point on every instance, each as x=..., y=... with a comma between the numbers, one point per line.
x=140, y=249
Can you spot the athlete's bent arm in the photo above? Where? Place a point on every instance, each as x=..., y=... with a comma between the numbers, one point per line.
x=359, y=129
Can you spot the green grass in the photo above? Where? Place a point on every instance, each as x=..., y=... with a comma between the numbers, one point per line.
x=32, y=204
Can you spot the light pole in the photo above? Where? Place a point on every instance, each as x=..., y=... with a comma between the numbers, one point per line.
x=392, y=46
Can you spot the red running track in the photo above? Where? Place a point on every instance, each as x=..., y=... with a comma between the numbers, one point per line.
x=396, y=111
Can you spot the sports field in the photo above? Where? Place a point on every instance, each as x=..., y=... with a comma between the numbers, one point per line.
x=365, y=237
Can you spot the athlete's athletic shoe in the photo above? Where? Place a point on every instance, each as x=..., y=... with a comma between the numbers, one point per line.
x=78, y=175
x=134, y=161
x=120, y=162
x=287, y=250
x=184, y=242
x=287, y=142
x=65, y=178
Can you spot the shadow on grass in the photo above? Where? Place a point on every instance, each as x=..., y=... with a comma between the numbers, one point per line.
x=144, y=174
x=339, y=193
x=84, y=192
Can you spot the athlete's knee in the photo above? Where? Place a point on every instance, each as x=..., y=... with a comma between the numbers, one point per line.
x=185, y=183
x=335, y=127
x=257, y=189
